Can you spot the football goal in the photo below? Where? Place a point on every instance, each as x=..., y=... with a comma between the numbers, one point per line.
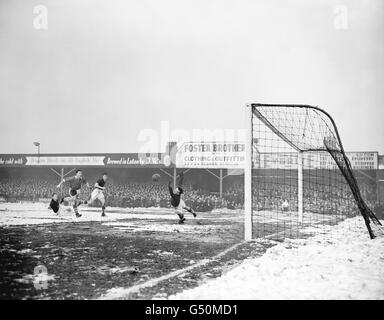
x=297, y=176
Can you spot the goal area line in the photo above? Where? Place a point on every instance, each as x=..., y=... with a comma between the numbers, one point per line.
x=121, y=293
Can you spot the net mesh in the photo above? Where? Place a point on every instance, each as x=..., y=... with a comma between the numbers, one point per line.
x=302, y=179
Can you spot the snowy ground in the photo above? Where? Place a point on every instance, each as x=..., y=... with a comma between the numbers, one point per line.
x=28, y=213
x=342, y=264
x=85, y=258
x=12, y=214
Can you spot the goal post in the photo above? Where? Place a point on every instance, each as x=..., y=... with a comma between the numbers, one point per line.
x=248, y=175
x=297, y=174
x=300, y=199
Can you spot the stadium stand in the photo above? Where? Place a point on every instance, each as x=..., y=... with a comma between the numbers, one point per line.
x=149, y=194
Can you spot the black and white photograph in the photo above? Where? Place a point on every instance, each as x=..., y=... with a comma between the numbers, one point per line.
x=179, y=150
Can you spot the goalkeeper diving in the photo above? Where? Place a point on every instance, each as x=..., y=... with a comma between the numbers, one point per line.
x=177, y=201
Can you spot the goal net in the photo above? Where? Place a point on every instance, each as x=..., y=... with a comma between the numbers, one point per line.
x=298, y=178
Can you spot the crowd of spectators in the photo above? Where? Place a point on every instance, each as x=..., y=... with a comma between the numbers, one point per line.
x=269, y=196
x=157, y=195
x=25, y=189
x=129, y=194
x=317, y=198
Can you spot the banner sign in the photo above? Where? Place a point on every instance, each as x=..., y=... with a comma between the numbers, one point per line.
x=138, y=160
x=281, y=160
x=211, y=155
x=381, y=162
x=231, y=155
x=11, y=160
x=203, y=155
x=113, y=160
x=363, y=160
x=314, y=160
x=65, y=161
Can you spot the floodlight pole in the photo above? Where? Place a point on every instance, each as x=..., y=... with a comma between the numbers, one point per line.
x=37, y=144
x=248, y=174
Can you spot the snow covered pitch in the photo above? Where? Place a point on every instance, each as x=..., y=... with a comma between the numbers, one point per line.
x=341, y=264
x=93, y=257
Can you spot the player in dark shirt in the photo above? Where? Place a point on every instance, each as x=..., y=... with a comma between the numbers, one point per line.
x=97, y=193
x=75, y=184
x=54, y=204
x=177, y=202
